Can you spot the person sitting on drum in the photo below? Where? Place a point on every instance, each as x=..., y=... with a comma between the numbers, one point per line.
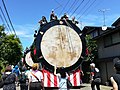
x=43, y=21
x=35, y=34
x=65, y=16
x=74, y=21
x=53, y=16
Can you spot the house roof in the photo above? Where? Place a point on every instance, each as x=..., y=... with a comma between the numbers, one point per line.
x=89, y=29
x=116, y=22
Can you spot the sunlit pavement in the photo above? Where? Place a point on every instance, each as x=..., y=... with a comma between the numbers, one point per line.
x=83, y=87
x=88, y=87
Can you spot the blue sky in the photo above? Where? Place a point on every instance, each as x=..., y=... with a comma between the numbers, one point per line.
x=25, y=14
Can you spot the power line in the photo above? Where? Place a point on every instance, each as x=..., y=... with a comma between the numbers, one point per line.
x=98, y=4
x=86, y=9
x=83, y=7
x=71, y=7
x=59, y=5
x=58, y=2
x=64, y=7
x=77, y=8
x=9, y=17
x=1, y=18
x=3, y=22
x=5, y=19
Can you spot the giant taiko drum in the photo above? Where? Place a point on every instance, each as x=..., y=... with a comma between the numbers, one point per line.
x=61, y=44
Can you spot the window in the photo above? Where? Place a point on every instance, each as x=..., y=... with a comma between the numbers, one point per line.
x=112, y=39
x=94, y=33
x=108, y=41
x=116, y=38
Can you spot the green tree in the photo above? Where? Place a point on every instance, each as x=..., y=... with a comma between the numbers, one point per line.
x=91, y=49
x=10, y=48
x=91, y=55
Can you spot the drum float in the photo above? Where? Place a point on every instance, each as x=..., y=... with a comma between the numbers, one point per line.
x=61, y=43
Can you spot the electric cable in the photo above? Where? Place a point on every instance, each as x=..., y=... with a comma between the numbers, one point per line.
x=59, y=5
x=5, y=19
x=64, y=7
x=98, y=4
x=77, y=8
x=86, y=9
x=71, y=7
x=84, y=6
x=9, y=17
x=4, y=23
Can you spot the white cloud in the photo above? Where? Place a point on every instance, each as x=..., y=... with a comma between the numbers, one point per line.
x=26, y=33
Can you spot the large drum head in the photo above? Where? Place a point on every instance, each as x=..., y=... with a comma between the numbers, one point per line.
x=61, y=46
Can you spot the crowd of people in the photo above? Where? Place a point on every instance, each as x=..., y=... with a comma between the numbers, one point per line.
x=29, y=78
x=32, y=78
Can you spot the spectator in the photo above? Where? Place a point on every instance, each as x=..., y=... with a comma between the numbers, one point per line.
x=63, y=79
x=9, y=79
x=115, y=79
x=17, y=72
x=94, y=75
x=35, y=78
x=28, y=71
x=81, y=75
x=23, y=79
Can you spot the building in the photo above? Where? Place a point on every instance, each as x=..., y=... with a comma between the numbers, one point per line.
x=108, y=42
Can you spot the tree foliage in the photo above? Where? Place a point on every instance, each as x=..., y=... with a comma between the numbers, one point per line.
x=91, y=50
x=10, y=48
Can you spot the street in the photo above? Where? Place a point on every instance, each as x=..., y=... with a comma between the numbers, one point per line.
x=84, y=87
x=102, y=87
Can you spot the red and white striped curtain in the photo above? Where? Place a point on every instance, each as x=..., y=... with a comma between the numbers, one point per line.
x=51, y=80
x=75, y=78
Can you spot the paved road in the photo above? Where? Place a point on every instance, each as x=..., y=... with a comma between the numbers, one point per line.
x=85, y=87
x=17, y=88
x=102, y=87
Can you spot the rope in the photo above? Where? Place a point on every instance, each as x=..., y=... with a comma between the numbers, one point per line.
x=61, y=41
x=70, y=42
